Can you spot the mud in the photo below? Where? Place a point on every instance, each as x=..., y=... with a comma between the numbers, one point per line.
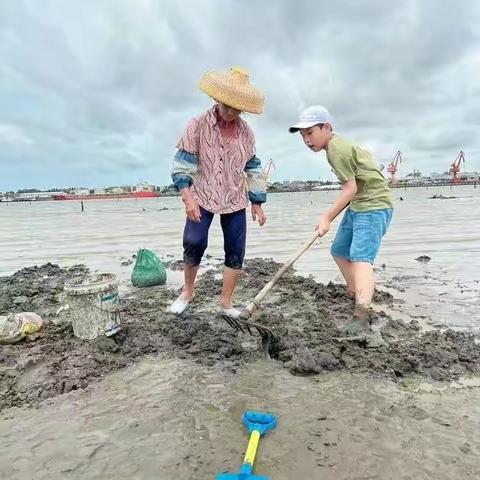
x=423, y=259
x=304, y=315
x=175, y=265
x=36, y=289
x=441, y=197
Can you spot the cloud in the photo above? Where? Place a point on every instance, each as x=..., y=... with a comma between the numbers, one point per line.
x=11, y=134
x=99, y=92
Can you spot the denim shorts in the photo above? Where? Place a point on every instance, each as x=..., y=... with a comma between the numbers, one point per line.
x=359, y=235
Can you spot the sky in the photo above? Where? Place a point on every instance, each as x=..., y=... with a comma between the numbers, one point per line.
x=97, y=92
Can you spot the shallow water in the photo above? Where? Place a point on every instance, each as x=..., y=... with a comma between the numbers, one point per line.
x=174, y=419
x=444, y=291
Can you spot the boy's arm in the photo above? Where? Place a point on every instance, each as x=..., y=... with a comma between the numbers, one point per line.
x=349, y=190
x=344, y=166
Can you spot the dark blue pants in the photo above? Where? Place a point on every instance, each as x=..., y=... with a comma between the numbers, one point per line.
x=195, y=238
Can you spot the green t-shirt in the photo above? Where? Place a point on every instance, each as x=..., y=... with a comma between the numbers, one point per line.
x=354, y=163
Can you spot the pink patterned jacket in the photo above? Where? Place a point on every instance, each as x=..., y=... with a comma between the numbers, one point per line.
x=223, y=174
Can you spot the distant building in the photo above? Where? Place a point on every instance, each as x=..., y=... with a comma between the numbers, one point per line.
x=81, y=191
x=143, y=187
x=35, y=196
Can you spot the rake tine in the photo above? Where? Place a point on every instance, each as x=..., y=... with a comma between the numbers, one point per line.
x=266, y=341
x=230, y=322
x=233, y=323
x=226, y=319
x=261, y=329
x=242, y=325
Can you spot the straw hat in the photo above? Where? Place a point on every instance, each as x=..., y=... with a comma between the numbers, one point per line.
x=233, y=88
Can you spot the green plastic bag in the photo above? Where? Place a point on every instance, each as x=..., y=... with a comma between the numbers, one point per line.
x=148, y=270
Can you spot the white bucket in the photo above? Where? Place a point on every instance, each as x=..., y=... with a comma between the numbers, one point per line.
x=94, y=305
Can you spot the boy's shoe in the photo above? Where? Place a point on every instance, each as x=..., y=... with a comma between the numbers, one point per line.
x=179, y=305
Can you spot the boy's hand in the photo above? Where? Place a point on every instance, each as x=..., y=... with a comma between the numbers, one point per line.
x=258, y=213
x=323, y=225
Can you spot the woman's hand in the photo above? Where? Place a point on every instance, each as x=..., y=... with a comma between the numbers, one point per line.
x=191, y=206
x=258, y=214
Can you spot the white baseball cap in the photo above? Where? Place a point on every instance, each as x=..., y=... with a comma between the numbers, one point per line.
x=312, y=116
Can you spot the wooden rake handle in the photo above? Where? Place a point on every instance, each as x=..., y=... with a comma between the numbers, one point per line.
x=255, y=303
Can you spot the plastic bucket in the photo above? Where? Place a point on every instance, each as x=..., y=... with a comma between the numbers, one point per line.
x=94, y=305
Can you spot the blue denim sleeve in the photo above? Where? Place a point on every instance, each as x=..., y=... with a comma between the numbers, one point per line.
x=256, y=181
x=185, y=166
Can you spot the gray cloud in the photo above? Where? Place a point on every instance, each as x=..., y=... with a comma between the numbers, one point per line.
x=97, y=93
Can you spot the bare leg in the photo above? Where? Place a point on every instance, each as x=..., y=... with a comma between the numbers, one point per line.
x=346, y=268
x=360, y=275
x=364, y=283
x=190, y=274
x=230, y=277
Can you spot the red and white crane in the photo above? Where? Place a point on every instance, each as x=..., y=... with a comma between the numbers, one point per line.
x=393, y=167
x=455, y=167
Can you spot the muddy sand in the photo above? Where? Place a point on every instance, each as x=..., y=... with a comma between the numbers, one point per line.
x=164, y=401
x=304, y=315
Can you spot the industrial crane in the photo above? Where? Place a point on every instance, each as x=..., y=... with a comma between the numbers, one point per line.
x=393, y=167
x=455, y=167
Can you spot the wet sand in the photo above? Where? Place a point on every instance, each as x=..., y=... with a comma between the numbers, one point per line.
x=402, y=407
x=171, y=419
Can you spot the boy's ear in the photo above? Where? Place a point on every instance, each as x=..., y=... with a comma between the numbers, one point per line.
x=328, y=127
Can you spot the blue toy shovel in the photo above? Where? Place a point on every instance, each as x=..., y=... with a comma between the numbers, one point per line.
x=257, y=424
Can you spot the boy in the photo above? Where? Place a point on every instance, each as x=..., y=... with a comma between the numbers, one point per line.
x=370, y=207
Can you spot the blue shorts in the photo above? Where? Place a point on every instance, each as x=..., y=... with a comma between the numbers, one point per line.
x=359, y=235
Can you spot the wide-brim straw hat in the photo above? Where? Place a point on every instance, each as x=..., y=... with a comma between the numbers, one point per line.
x=233, y=88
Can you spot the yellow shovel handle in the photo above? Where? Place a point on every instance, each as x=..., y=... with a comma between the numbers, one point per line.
x=252, y=447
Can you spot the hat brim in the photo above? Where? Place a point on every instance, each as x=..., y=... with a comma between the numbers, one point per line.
x=226, y=89
x=300, y=125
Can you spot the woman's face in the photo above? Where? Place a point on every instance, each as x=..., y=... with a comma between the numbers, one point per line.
x=229, y=114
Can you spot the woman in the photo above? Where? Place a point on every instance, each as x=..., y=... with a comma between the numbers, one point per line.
x=216, y=171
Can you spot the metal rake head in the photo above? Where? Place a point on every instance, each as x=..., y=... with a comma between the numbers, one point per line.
x=245, y=326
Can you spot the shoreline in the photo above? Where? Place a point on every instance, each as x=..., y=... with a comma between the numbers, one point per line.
x=271, y=190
